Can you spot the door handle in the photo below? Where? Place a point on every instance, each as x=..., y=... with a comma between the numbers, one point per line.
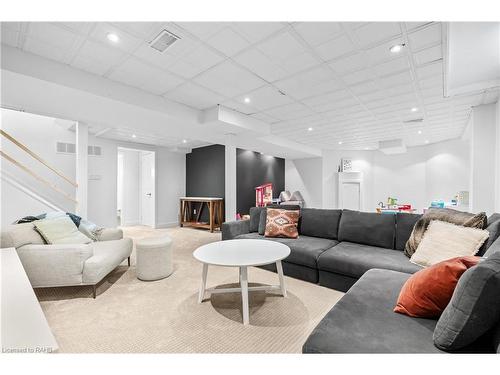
x=148, y=194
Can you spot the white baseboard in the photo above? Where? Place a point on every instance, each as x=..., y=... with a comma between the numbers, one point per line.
x=171, y=224
x=131, y=224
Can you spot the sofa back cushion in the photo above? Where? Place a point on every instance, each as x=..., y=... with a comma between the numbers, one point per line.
x=493, y=229
x=322, y=223
x=367, y=228
x=474, y=308
x=404, y=226
x=255, y=218
x=18, y=235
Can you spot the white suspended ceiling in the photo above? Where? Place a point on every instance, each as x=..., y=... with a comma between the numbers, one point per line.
x=338, y=79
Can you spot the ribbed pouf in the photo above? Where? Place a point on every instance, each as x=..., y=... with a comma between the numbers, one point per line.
x=154, y=258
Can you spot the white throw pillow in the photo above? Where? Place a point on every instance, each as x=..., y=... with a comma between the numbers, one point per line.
x=60, y=230
x=444, y=241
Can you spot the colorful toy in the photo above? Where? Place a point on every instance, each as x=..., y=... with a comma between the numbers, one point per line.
x=263, y=195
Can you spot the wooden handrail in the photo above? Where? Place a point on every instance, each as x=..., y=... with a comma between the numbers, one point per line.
x=33, y=174
x=32, y=154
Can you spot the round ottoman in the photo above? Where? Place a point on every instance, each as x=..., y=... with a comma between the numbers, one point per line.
x=154, y=258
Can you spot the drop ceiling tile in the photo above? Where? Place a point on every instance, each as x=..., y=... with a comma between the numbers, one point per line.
x=194, y=96
x=425, y=37
x=82, y=28
x=327, y=98
x=261, y=65
x=376, y=32
x=315, y=33
x=381, y=53
x=202, y=30
x=228, y=79
x=430, y=70
x=305, y=80
x=428, y=55
x=392, y=66
x=13, y=26
x=354, y=62
x=241, y=107
x=256, y=31
x=95, y=66
x=146, y=31
x=126, y=43
x=52, y=35
x=101, y=52
x=281, y=47
x=290, y=111
x=265, y=97
x=299, y=63
x=9, y=37
x=228, y=41
x=363, y=88
x=135, y=73
x=356, y=77
x=415, y=25
x=194, y=62
x=45, y=50
x=335, y=48
x=403, y=78
x=264, y=117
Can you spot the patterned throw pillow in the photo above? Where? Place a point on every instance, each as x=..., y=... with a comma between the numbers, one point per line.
x=282, y=223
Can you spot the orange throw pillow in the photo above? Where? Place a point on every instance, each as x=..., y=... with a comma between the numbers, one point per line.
x=427, y=292
x=282, y=223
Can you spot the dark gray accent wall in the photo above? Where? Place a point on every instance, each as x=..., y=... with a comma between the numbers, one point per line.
x=205, y=173
x=254, y=169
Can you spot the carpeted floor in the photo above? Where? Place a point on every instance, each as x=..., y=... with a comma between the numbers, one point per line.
x=133, y=316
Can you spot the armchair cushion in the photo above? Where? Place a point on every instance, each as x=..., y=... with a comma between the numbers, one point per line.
x=109, y=234
x=61, y=230
x=54, y=265
x=107, y=255
x=18, y=235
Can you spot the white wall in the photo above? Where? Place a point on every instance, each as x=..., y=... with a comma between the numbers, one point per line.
x=170, y=185
x=304, y=175
x=483, y=158
x=423, y=174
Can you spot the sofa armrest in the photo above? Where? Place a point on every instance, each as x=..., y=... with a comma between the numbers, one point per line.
x=232, y=229
x=110, y=234
x=54, y=265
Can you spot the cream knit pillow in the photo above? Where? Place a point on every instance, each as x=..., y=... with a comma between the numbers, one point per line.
x=444, y=241
x=60, y=230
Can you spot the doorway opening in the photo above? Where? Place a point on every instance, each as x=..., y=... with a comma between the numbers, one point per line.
x=136, y=187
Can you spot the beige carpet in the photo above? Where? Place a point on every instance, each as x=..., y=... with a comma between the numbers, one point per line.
x=133, y=316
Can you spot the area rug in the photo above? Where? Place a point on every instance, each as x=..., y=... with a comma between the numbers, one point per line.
x=133, y=316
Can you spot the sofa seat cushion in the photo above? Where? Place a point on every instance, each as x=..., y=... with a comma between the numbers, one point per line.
x=304, y=250
x=352, y=259
x=107, y=255
x=363, y=321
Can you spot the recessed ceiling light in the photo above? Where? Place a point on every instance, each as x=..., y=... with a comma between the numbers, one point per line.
x=112, y=37
x=184, y=141
x=419, y=132
x=246, y=100
x=426, y=141
x=134, y=136
x=397, y=48
x=367, y=148
x=340, y=142
x=310, y=129
x=414, y=109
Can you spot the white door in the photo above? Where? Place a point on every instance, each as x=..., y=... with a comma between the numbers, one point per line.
x=148, y=188
x=351, y=196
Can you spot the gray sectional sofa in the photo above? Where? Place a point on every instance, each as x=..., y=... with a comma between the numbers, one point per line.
x=336, y=247
x=362, y=254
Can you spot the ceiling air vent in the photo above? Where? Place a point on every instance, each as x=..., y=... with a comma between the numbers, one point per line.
x=163, y=40
x=65, y=148
x=393, y=146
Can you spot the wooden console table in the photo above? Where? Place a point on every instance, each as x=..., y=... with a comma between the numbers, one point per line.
x=215, y=212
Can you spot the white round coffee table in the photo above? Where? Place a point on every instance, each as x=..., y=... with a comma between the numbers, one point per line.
x=242, y=254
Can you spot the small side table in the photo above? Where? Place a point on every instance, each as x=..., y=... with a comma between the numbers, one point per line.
x=154, y=258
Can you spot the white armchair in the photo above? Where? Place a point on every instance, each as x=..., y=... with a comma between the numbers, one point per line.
x=66, y=264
